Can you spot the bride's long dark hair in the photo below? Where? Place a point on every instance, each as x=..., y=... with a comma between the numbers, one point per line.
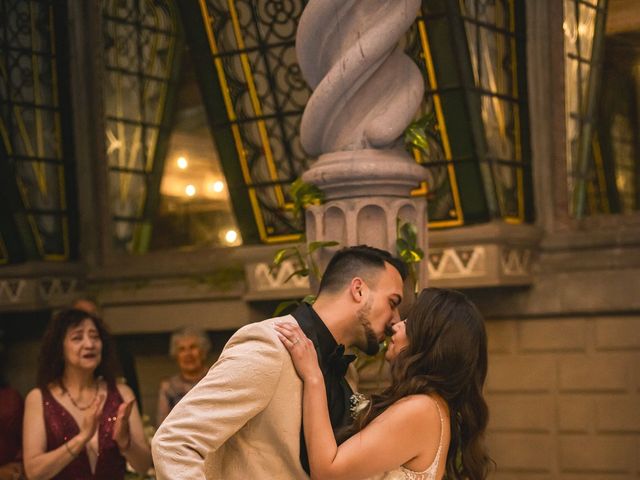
x=446, y=355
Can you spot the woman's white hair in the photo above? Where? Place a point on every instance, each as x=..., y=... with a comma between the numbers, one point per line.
x=184, y=332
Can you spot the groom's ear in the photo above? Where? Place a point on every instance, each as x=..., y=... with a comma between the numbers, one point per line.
x=356, y=286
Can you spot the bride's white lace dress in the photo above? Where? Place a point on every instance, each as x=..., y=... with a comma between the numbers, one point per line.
x=430, y=473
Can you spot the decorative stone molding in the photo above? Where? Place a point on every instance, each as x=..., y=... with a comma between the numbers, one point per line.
x=278, y=279
x=455, y=263
x=266, y=284
x=472, y=262
x=50, y=288
x=479, y=265
x=493, y=254
x=516, y=261
x=29, y=292
x=11, y=290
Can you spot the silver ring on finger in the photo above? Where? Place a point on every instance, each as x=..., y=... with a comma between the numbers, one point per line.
x=295, y=340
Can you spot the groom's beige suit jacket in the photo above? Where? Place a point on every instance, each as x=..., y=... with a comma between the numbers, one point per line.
x=242, y=421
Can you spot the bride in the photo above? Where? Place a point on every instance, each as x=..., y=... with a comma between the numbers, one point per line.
x=429, y=422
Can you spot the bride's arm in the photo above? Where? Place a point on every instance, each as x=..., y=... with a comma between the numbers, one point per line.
x=394, y=438
x=318, y=434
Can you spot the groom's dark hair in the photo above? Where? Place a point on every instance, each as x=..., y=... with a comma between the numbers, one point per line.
x=359, y=261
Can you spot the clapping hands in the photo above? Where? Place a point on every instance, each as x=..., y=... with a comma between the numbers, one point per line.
x=91, y=418
x=121, y=433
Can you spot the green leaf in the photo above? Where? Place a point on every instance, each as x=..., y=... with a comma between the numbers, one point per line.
x=282, y=306
x=305, y=194
x=418, y=133
x=313, y=246
x=310, y=299
x=412, y=256
x=416, y=137
x=426, y=122
x=282, y=254
x=409, y=232
x=302, y=272
x=402, y=245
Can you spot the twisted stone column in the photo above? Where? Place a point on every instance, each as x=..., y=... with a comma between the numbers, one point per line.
x=366, y=92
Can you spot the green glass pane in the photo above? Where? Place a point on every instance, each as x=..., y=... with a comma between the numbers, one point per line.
x=31, y=123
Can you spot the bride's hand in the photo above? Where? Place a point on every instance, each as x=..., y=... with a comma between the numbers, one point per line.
x=302, y=351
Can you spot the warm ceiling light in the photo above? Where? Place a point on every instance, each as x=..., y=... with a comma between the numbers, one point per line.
x=231, y=236
x=218, y=186
x=190, y=190
x=182, y=163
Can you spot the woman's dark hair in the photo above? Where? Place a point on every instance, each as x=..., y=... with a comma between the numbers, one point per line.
x=51, y=360
x=446, y=355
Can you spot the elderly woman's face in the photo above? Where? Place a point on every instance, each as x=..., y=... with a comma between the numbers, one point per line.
x=82, y=346
x=189, y=355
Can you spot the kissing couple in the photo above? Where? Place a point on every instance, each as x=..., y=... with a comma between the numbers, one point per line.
x=276, y=404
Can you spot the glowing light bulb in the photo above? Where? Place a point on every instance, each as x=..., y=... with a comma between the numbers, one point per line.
x=182, y=163
x=231, y=236
x=190, y=190
x=218, y=186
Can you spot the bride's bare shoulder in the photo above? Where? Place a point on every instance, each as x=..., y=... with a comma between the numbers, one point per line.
x=418, y=408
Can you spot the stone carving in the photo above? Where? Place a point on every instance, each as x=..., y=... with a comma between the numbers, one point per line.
x=370, y=220
x=457, y=262
x=52, y=291
x=54, y=287
x=11, y=290
x=366, y=89
x=516, y=261
x=266, y=279
x=483, y=265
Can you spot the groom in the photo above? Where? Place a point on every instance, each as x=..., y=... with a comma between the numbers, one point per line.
x=244, y=419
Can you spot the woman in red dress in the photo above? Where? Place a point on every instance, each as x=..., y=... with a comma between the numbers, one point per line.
x=79, y=423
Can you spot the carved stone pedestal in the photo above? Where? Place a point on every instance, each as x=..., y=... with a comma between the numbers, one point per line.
x=366, y=192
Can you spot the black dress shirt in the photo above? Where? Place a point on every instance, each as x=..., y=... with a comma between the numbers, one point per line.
x=333, y=364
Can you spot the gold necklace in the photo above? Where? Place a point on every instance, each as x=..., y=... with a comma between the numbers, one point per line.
x=75, y=404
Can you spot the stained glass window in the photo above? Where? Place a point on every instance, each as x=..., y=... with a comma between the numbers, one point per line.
x=260, y=89
x=603, y=155
x=37, y=168
x=584, y=29
x=443, y=197
x=141, y=38
x=473, y=57
x=491, y=37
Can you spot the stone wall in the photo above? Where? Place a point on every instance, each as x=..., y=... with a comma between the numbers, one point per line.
x=564, y=397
